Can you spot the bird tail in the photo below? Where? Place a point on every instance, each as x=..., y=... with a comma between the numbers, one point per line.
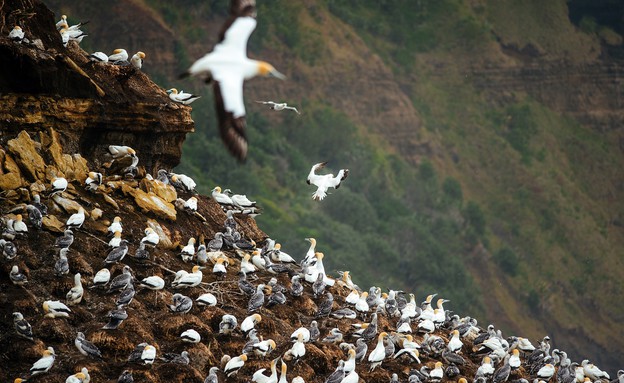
x=319, y=195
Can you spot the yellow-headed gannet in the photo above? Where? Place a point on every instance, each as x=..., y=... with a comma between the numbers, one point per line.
x=250, y=322
x=592, y=371
x=361, y=304
x=188, y=251
x=44, y=364
x=455, y=344
x=486, y=369
x=118, y=55
x=228, y=66
x=115, y=226
x=85, y=347
x=310, y=254
x=16, y=34
x=283, y=371
x=278, y=106
x=206, y=299
x=116, y=240
x=325, y=181
x=235, y=364
x=137, y=60
x=120, y=151
x=263, y=348
x=151, y=238
x=303, y=331
x=277, y=255
x=59, y=184
x=22, y=327
x=219, y=269
x=74, y=295
x=246, y=266
x=148, y=355
x=76, y=220
x=78, y=377
x=349, y=364
x=183, y=181
x=182, y=97
x=221, y=198
x=546, y=372
x=191, y=279
x=98, y=57
x=514, y=360
x=437, y=373
x=379, y=352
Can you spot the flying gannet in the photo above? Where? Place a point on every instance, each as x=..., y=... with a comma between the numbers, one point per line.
x=325, y=181
x=278, y=106
x=228, y=66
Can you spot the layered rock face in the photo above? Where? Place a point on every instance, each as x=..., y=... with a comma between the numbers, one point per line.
x=90, y=105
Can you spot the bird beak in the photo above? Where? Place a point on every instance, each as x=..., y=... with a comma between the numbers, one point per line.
x=277, y=74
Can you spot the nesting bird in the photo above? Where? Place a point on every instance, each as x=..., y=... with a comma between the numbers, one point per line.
x=182, y=97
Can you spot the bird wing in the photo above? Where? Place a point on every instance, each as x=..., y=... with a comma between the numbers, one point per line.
x=231, y=114
x=238, y=9
x=266, y=102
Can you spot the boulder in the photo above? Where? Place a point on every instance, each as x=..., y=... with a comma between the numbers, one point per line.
x=24, y=151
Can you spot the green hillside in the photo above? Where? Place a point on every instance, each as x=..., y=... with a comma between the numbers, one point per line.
x=506, y=206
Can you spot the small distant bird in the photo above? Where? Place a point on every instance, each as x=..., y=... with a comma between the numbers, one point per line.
x=115, y=226
x=181, y=358
x=118, y=55
x=250, y=322
x=184, y=182
x=137, y=60
x=191, y=279
x=257, y=300
x=93, y=181
x=17, y=277
x=44, y=364
x=278, y=105
x=118, y=253
x=122, y=280
x=9, y=250
x=206, y=299
x=37, y=203
x=22, y=327
x=35, y=217
x=101, y=278
x=16, y=34
x=212, y=375
x=115, y=318
x=61, y=266
x=323, y=182
x=182, y=97
x=74, y=295
x=149, y=354
x=116, y=240
x=98, y=57
x=151, y=238
x=126, y=296
x=85, y=347
x=191, y=204
x=78, y=377
x=228, y=67
x=76, y=220
x=188, y=251
x=55, y=309
x=228, y=324
x=120, y=151
x=19, y=226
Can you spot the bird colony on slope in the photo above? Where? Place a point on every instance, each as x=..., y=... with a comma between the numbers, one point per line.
x=390, y=331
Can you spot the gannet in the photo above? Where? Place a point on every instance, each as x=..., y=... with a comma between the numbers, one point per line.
x=335, y=336
x=296, y=288
x=59, y=185
x=409, y=348
x=148, y=355
x=9, y=250
x=137, y=60
x=277, y=255
x=219, y=268
x=592, y=371
x=212, y=375
x=349, y=364
x=361, y=304
x=76, y=220
x=115, y=226
x=17, y=277
x=85, y=347
x=228, y=324
x=546, y=372
x=185, y=182
x=74, y=295
x=171, y=357
x=118, y=55
x=115, y=318
x=257, y=300
x=35, y=217
x=514, y=360
x=190, y=336
x=44, y=364
x=98, y=57
x=324, y=308
x=181, y=304
x=378, y=354
x=19, y=226
x=246, y=266
x=61, y=266
x=120, y=151
x=235, y=364
x=278, y=106
x=323, y=182
x=182, y=97
x=221, y=198
x=65, y=240
x=190, y=204
x=239, y=200
x=116, y=240
x=22, y=327
x=245, y=286
x=188, y=251
x=455, y=344
x=344, y=313
x=263, y=348
x=16, y=34
x=305, y=334
x=228, y=66
x=338, y=375
x=122, y=280
x=191, y=279
x=125, y=296
x=151, y=238
x=486, y=369
x=78, y=377
x=118, y=253
x=250, y=322
x=93, y=181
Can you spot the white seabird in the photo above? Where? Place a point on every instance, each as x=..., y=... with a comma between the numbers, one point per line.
x=16, y=34
x=190, y=336
x=19, y=226
x=259, y=377
x=182, y=97
x=235, y=364
x=59, y=184
x=85, y=347
x=151, y=238
x=76, y=220
x=191, y=279
x=264, y=347
x=115, y=226
x=22, y=327
x=278, y=106
x=323, y=182
x=120, y=151
x=221, y=198
x=74, y=295
x=250, y=322
x=116, y=240
x=93, y=181
x=44, y=364
x=149, y=354
x=188, y=251
x=17, y=277
x=187, y=182
x=378, y=354
x=137, y=60
x=206, y=299
x=228, y=66
x=78, y=377
x=98, y=57
x=118, y=55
